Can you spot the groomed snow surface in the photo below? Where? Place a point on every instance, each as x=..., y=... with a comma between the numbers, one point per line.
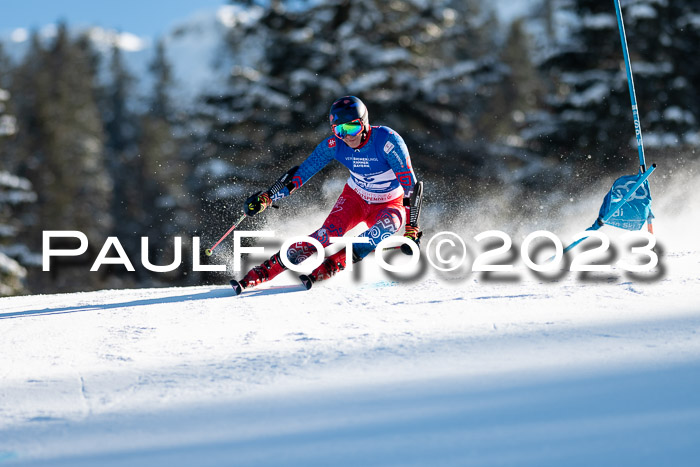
x=364, y=369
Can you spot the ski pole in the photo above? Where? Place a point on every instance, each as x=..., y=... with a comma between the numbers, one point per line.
x=209, y=251
x=285, y=181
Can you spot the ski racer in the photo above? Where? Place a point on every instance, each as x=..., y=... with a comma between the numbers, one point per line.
x=377, y=193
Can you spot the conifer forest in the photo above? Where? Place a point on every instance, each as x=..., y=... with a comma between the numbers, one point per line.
x=534, y=110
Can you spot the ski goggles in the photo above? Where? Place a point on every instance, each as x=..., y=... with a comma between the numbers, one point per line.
x=352, y=128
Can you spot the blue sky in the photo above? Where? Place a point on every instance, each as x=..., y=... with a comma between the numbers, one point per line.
x=148, y=18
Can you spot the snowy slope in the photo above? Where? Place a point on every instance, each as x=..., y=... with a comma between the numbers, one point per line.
x=586, y=369
x=600, y=370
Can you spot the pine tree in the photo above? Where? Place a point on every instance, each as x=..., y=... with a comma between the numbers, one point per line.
x=16, y=198
x=17, y=201
x=663, y=39
x=165, y=170
x=61, y=135
x=522, y=92
x=126, y=167
x=589, y=117
x=59, y=144
x=8, y=122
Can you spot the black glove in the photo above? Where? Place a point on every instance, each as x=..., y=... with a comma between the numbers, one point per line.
x=412, y=233
x=256, y=203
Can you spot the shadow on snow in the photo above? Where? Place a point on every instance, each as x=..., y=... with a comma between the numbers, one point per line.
x=210, y=294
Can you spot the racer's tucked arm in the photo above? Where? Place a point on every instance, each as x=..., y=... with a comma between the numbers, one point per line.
x=318, y=159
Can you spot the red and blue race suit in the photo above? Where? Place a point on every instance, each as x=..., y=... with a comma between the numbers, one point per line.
x=381, y=176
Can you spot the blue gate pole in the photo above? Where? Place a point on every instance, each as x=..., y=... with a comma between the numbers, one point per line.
x=633, y=97
x=630, y=83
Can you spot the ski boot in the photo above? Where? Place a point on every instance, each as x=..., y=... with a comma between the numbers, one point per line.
x=326, y=270
x=259, y=274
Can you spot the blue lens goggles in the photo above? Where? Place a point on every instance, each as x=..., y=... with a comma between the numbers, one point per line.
x=352, y=128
